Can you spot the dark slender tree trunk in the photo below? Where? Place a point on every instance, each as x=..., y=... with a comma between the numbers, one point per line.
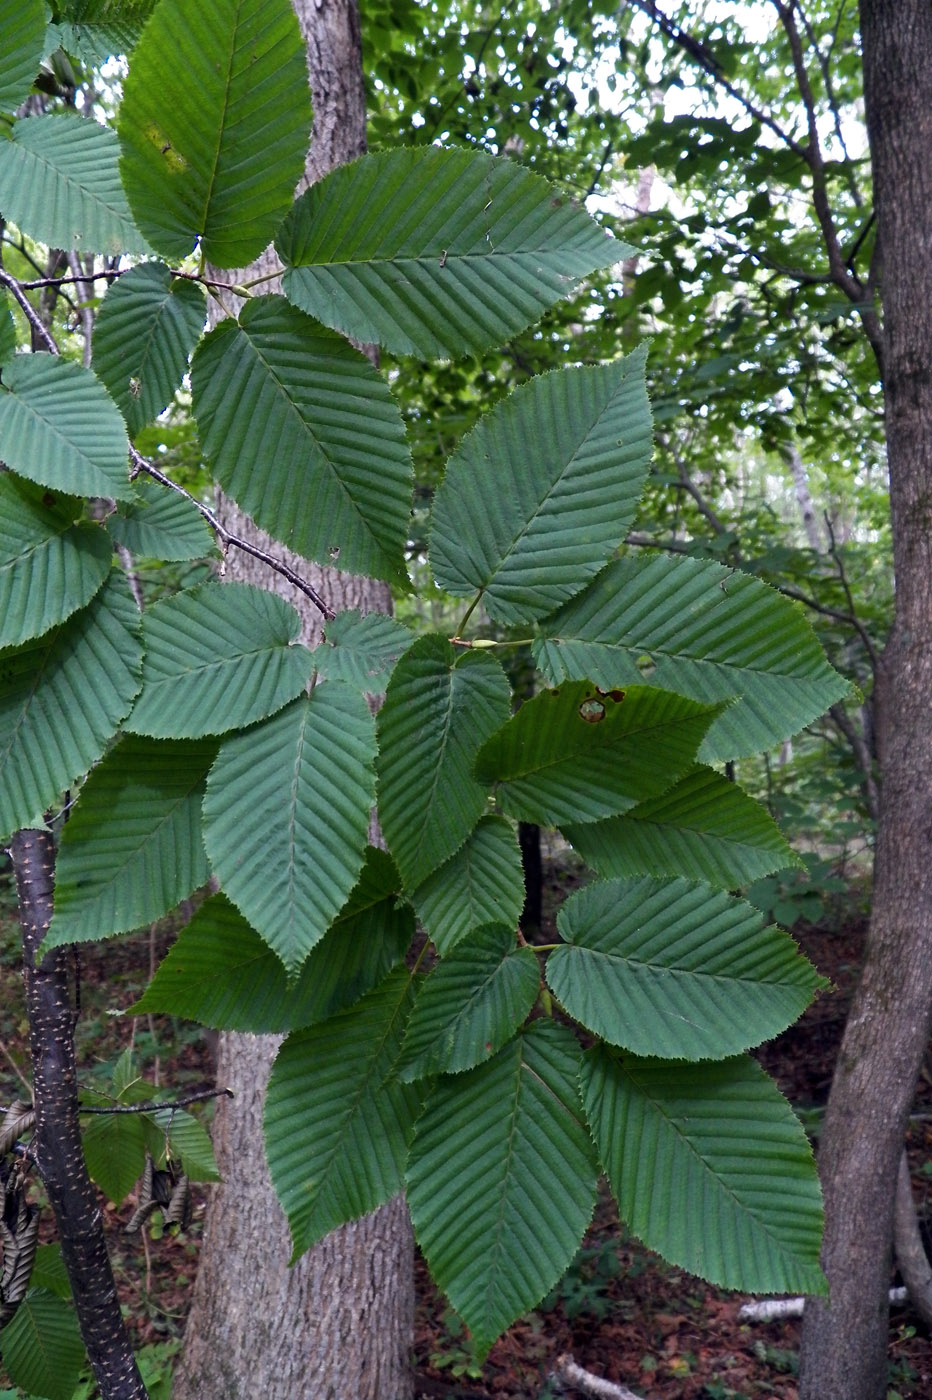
x=533, y=912
x=337, y=1326
x=59, y=1153
x=844, y=1354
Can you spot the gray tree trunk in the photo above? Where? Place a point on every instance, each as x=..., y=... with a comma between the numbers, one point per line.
x=339, y=1324
x=844, y=1352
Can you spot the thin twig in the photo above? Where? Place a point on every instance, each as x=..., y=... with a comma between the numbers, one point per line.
x=29, y=311
x=843, y=579
x=227, y=538
x=16, y=1069
x=710, y=64
x=848, y=282
x=155, y=1105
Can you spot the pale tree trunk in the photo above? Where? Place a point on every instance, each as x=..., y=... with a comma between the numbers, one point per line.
x=338, y=1324
x=844, y=1352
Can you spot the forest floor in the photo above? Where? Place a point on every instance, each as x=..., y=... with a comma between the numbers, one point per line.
x=620, y=1313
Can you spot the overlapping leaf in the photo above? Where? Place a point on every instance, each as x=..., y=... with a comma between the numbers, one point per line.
x=132, y=849
x=438, y=711
x=434, y=252
x=540, y=494
x=22, y=24
x=304, y=434
x=144, y=333
x=42, y=1348
x=218, y=657
x=710, y=1168
x=160, y=524
x=60, y=428
x=115, y=1152
x=362, y=649
x=482, y=883
x=675, y=969
x=61, y=699
x=705, y=631
x=49, y=565
x=337, y=1127
x=286, y=816
x=170, y=1130
x=578, y=754
x=96, y=30
x=221, y=973
x=704, y=827
x=501, y=1179
x=60, y=184
x=471, y=1003
x=214, y=126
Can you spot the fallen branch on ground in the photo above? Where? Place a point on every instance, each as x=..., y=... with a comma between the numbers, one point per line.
x=567, y=1372
x=773, y=1308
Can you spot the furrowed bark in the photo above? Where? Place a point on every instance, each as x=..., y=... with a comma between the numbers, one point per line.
x=844, y=1345
x=59, y=1152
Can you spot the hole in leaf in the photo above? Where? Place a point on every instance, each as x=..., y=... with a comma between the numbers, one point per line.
x=592, y=711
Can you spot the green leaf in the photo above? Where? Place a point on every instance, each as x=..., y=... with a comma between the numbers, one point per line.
x=144, y=334
x=540, y=494
x=337, y=1127
x=49, y=1271
x=501, y=1179
x=705, y=631
x=471, y=1003
x=7, y=327
x=49, y=566
x=170, y=1132
x=132, y=848
x=42, y=1348
x=22, y=24
x=580, y=754
x=60, y=428
x=95, y=30
x=218, y=657
x=362, y=649
x=115, y=1152
x=304, y=434
x=214, y=126
x=286, y=816
x=61, y=699
x=60, y=184
x=436, y=253
x=673, y=969
x=710, y=1168
x=160, y=524
x=438, y=711
x=482, y=883
x=704, y=827
x=221, y=973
